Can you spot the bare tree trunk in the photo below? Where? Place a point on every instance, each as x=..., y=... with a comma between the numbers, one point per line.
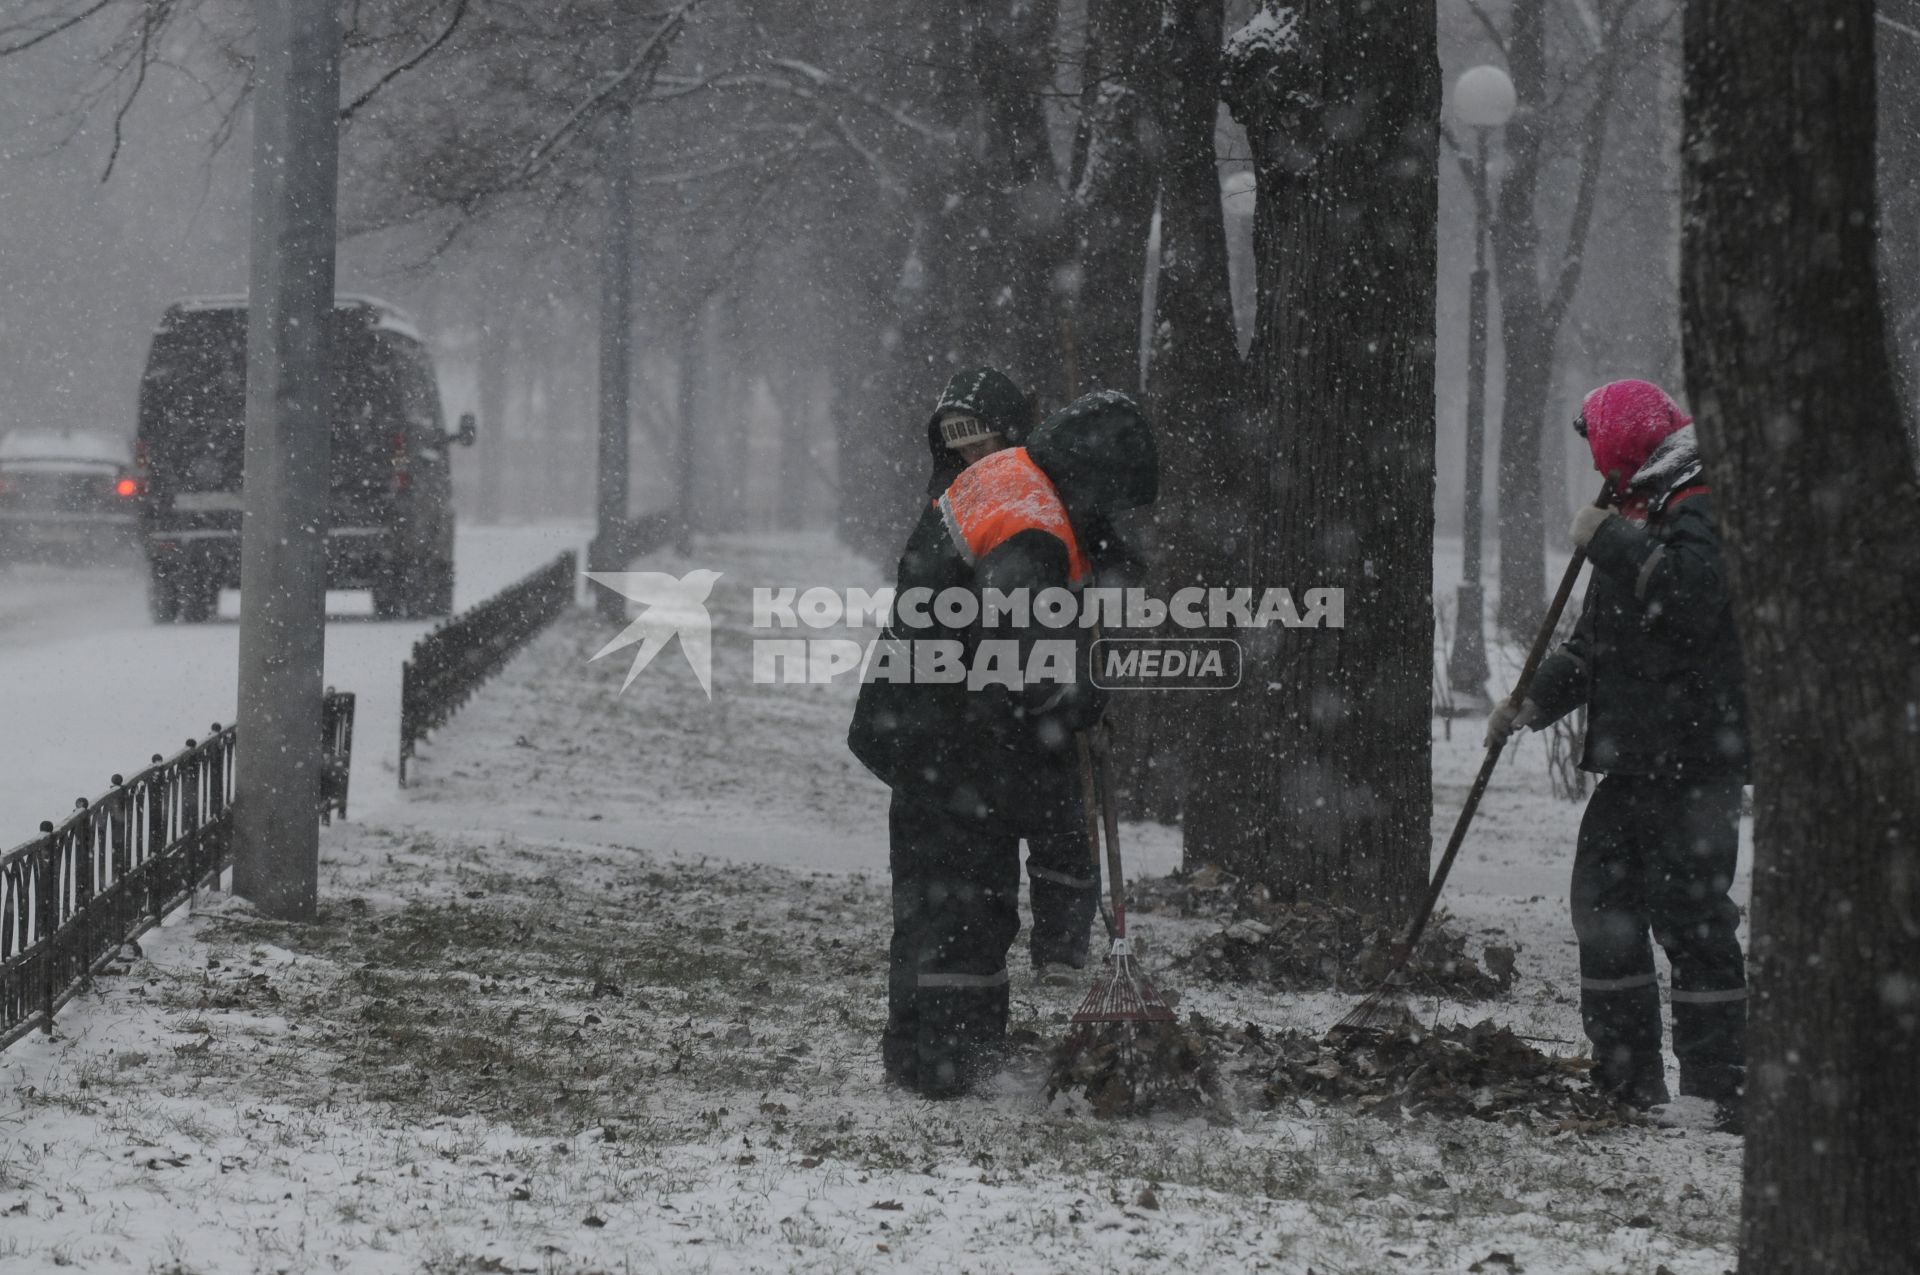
x=1528, y=351
x=1534, y=302
x=1339, y=755
x=497, y=311
x=1112, y=195
x=1788, y=368
x=1191, y=378
x=1021, y=235
x=794, y=390
x=689, y=516
x=1518, y=479
x=734, y=479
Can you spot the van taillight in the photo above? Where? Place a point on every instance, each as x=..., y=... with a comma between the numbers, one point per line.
x=402, y=479
x=126, y=487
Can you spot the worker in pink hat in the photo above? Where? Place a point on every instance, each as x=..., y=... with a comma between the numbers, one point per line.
x=1656, y=662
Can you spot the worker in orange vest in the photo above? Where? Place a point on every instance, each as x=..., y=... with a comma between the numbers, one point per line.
x=977, y=768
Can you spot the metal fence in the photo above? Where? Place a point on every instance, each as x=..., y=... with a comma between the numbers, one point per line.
x=449, y=664
x=71, y=897
x=336, y=752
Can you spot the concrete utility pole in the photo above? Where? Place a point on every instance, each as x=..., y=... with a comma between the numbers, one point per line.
x=607, y=553
x=289, y=421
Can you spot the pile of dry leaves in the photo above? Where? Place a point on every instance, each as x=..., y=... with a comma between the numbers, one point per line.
x=1404, y=1070
x=1312, y=946
x=1129, y=1069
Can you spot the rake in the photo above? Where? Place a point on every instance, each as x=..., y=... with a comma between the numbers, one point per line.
x=1377, y=1010
x=1121, y=993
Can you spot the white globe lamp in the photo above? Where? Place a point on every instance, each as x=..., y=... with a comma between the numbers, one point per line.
x=1483, y=97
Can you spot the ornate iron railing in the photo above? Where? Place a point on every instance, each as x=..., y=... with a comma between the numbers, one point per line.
x=74, y=895
x=449, y=664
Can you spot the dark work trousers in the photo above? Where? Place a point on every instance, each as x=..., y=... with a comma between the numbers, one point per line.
x=956, y=886
x=1064, y=887
x=1657, y=854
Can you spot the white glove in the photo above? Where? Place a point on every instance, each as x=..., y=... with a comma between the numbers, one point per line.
x=1507, y=718
x=1586, y=522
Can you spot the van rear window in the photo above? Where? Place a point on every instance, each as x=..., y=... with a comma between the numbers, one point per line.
x=193, y=401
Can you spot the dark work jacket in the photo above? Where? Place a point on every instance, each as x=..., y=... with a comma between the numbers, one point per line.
x=993, y=755
x=1654, y=656
x=987, y=755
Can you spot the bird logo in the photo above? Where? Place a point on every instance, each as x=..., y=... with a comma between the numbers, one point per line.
x=670, y=606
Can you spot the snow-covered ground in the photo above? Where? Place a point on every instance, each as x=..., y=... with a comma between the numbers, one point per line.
x=91, y=686
x=601, y=993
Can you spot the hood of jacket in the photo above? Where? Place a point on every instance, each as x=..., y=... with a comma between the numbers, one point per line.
x=1100, y=453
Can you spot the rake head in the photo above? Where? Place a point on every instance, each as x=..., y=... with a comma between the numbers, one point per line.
x=1382, y=1011
x=1123, y=994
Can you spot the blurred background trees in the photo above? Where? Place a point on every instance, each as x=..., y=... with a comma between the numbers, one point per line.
x=886, y=190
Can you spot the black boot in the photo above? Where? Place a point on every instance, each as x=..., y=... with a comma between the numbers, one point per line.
x=1725, y=1086
x=1720, y=1083
x=898, y=1061
x=1639, y=1080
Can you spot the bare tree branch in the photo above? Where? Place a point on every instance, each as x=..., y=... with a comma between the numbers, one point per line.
x=65, y=24
x=374, y=89
x=1592, y=152
x=646, y=59
x=1488, y=25
x=1912, y=33
x=894, y=113
x=148, y=20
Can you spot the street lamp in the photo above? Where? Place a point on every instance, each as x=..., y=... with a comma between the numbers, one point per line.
x=1483, y=100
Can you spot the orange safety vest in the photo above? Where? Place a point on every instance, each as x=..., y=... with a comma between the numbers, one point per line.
x=1001, y=495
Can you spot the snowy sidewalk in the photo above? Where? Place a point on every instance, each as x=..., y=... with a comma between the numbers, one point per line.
x=602, y=992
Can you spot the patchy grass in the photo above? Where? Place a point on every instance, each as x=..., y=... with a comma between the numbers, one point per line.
x=522, y=1036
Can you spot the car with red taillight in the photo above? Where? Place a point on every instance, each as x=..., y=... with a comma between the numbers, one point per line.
x=67, y=496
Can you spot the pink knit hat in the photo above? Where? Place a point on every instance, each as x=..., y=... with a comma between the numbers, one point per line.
x=1624, y=421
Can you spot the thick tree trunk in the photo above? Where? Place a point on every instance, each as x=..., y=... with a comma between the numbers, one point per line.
x=1194, y=369
x=1788, y=369
x=1341, y=382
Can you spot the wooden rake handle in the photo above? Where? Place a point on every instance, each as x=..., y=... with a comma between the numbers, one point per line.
x=1090, y=800
x=1403, y=950
x=1110, y=818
